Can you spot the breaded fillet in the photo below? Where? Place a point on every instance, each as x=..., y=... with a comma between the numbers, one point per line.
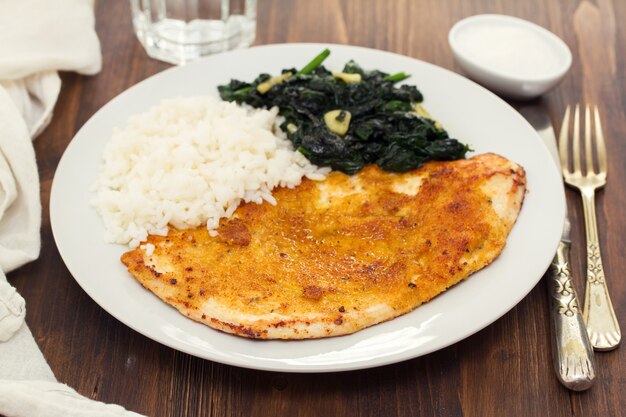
x=336, y=256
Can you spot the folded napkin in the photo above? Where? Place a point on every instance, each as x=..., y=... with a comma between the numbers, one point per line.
x=37, y=39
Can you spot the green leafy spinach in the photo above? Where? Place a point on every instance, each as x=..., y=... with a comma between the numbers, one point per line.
x=384, y=127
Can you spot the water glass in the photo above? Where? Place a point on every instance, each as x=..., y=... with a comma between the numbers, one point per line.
x=180, y=31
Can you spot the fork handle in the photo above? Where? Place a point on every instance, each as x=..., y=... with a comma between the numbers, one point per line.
x=598, y=313
x=572, y=353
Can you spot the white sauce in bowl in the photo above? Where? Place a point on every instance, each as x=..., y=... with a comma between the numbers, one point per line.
x=513, y=50
x=509, y=55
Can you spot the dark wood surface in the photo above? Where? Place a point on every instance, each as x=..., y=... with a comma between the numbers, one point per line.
x=504, y=370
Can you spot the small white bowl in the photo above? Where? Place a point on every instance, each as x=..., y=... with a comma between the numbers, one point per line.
x=508, y=55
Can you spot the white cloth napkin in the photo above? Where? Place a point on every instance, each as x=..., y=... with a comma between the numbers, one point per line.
x=37, y=39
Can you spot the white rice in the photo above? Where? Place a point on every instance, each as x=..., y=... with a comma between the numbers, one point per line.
x=189, y=162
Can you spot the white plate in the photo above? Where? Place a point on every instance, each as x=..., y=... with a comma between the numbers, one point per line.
x=468, y=112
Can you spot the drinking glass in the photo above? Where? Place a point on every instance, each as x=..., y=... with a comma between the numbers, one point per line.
x=180, y=31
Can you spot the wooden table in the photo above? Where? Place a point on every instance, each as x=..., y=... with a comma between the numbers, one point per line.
x=504, y=370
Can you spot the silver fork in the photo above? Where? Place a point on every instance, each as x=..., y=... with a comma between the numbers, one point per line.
x=602, y=326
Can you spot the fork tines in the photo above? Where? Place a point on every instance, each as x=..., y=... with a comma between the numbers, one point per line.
x=574, y=166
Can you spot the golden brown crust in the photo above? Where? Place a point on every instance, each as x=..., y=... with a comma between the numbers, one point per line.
x=336, y=256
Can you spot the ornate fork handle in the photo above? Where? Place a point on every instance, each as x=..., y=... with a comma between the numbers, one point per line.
x=572, y=352
x=598, y=313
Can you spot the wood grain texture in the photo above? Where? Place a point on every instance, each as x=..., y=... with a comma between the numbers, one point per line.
x=503, y=370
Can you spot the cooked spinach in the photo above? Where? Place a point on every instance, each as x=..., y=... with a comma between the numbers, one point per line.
x=349, y=119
